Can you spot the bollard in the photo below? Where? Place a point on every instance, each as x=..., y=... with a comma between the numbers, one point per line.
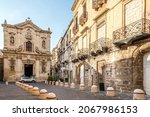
x=138, y=94
x=57, y=83
x=43, y=94
x=51, y=96
x=35, y=91
x=66, y=84
x=22, y=85
x=6, y=82
x=17, y=83
x=25, y=85
x=26, y=88
x=61, y=84
x=30, y=89
x=94, y=89
x=46, y=82
x=82, y=87
x=72, y=86
x=110, y=92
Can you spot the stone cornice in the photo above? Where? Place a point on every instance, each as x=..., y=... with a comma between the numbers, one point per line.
x=26, y=23
x=74, y=5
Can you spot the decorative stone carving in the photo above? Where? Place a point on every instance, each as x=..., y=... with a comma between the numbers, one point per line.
x=28, y=35
x=19, y=49
x=37, y=50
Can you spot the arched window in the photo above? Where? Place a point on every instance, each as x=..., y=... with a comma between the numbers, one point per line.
x=43, y=44
x=29, y=46
x=12, y=41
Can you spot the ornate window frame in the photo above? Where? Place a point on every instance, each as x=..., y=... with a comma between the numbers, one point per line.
x=12, y=40
x=29, y=46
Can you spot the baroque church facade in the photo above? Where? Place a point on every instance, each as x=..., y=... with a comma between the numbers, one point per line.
x=26, y=51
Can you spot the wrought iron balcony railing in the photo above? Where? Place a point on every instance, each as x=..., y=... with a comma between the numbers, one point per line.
x=99, y=46
x=98, y=3
x=66, y=59
x=75, y=29
x=83, y=19
x=74, y=57
x=133, y=32
x=83, y=54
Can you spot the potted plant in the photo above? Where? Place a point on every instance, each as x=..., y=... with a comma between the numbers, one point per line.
x=61, y=81
x=56, y=79
x=49, y=79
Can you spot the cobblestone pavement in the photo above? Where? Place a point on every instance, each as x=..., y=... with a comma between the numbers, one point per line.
x=12, y=92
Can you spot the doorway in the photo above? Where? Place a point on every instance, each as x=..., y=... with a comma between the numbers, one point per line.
x=146, y=82
x=28, y=70
x=82, y=74
x=100, y=69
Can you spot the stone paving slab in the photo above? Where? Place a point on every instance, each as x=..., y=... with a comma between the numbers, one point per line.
x=12, y=92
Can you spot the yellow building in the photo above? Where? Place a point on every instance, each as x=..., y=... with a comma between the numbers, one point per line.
x=111, y=44
x=54, y=60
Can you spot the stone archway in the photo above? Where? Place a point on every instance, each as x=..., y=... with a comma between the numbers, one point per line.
x=138, y=55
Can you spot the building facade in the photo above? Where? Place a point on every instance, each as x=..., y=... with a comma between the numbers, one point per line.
x=1, y=66
x=26, y=51
x=111, y=44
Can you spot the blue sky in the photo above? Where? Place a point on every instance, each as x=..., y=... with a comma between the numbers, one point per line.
x=55, y=14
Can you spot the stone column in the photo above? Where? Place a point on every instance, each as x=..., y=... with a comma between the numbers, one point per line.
x=37, y=69
x=6, y=69
x=19, y=69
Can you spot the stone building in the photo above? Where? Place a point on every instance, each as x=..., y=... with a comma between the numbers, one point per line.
x=111, y=44
x=54, y=60
x=1, y=65
x=26, y=51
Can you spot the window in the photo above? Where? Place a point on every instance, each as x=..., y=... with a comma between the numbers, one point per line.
x=84, y=42
x=67, y=40
x=101, y=34
x=43, y=44
x=29, y=46
x=133, y=11
x=76, y=22
x=84, y=9
x=12, y=41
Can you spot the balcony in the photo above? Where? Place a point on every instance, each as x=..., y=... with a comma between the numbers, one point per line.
x=75, y=29
x=99, y=46
x=131, y=33
x=98, y=3
x=83, y=54
x=83, y=19
x=66, y=59
x=74, y=57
